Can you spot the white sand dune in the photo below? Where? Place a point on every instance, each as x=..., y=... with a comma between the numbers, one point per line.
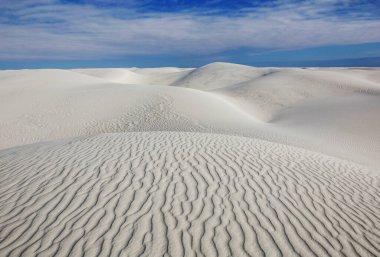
x=266, y=103
x=185, y=194
x=223, y=160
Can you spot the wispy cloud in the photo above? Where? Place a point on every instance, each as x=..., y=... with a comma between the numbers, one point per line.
x=52, y=29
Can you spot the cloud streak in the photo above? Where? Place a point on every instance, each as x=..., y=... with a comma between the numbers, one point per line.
x=50, y=29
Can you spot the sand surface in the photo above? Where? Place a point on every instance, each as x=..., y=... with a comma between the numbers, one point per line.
x=223, y=160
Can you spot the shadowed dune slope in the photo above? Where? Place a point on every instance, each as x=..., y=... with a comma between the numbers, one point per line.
x=117, y=75
x=184, y=194
x=219, y=75
x=136, y=76
x=268, y=95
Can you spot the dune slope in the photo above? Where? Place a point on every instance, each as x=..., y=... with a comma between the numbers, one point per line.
x=329, y=110
x=184, y=194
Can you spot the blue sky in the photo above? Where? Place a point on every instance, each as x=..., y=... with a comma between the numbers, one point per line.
x=147, y=33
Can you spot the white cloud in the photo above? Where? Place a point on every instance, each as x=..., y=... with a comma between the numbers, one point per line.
x=45, y=29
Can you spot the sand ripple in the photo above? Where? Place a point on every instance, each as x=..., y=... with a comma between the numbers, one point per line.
x=184, y=194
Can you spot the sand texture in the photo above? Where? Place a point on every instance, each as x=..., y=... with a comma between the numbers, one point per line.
x=223, y=160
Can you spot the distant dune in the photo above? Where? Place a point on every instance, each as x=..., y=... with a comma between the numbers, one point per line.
x=222, y=160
